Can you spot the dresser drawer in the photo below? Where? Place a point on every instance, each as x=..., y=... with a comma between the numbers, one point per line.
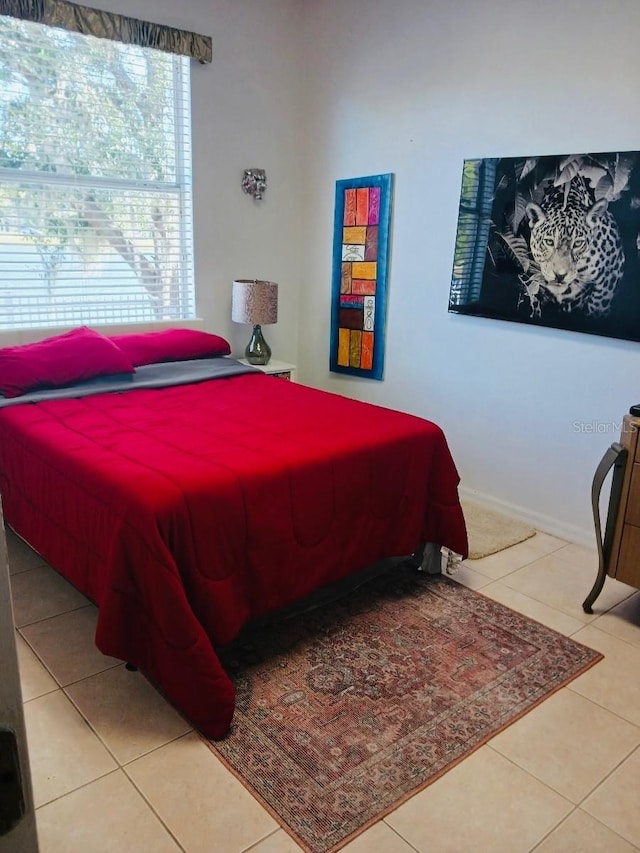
x=628, y=568
x=632, y=515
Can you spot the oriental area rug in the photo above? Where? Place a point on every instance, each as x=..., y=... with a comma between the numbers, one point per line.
x=346, y=710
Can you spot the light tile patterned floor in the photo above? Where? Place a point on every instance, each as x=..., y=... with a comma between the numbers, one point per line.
x=115, y=768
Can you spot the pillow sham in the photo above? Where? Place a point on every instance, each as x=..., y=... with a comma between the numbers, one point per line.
x=170, y=345
x=60, y=360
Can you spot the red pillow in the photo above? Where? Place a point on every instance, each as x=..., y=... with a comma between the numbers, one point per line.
x=170, y=345
x=60, y=360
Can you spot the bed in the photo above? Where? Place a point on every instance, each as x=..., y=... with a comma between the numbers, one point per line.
x=188, y=495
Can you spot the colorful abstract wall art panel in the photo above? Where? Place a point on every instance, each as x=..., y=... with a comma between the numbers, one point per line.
x=360, y=269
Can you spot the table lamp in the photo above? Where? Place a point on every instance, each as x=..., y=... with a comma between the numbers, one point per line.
x=255, y=302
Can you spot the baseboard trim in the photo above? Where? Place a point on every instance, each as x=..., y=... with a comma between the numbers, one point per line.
x=542, y=522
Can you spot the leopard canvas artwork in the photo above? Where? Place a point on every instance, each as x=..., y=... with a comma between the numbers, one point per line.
x=551, y=240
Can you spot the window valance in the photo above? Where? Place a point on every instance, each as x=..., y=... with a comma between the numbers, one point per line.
x=108, y=25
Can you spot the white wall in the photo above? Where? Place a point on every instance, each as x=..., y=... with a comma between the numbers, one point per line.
x=413, y=87
x=245, y=112
x=318, y=90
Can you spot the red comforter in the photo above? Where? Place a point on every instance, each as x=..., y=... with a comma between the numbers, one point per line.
x=185, y=511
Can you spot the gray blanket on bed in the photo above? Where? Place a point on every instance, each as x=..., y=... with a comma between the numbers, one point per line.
x=148, y=376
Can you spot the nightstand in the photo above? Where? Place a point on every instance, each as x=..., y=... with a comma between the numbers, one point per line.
x=281, y=369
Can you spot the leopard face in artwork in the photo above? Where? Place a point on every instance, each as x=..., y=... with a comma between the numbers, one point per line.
x=576, y=243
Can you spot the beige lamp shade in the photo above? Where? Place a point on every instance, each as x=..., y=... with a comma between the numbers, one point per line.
x=254, y=302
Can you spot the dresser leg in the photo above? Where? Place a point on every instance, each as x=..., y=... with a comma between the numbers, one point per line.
x=616, y=456
x=595, y=590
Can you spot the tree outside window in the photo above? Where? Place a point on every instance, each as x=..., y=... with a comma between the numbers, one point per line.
x=95, y=180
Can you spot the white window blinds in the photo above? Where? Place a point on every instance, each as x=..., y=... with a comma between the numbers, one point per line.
x=95, y=180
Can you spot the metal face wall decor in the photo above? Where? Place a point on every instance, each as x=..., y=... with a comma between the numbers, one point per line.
x=254, y=182
x=360, y=270
x=551, y=241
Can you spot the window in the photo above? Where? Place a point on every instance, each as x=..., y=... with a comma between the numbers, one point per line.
x=474, y=222
x=95, y=180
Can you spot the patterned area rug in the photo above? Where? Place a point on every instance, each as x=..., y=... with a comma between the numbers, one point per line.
x=345, y=711
x=490, y=532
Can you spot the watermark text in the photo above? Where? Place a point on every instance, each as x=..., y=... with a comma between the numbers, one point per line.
x=601, y=427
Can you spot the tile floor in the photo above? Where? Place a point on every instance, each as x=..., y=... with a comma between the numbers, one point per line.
x=115, y=768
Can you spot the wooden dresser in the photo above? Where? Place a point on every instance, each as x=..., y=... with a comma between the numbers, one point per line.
x=623, y=562
x=619, y=547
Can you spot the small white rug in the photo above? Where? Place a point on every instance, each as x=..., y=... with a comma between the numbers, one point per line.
x=490, y=532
